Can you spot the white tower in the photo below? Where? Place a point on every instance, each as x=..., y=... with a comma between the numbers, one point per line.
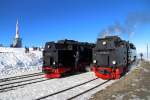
x=17, y=30
x=17, y=43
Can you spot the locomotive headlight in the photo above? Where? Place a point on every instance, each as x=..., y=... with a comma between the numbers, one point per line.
x=54, y=63
x=104, y=43
x=48, y=46
x=114, y=62
x=94, y=61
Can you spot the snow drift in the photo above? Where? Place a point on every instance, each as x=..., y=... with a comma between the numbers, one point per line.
x=14, y=61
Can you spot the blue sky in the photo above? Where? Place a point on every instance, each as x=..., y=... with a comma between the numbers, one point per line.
x=83, y=20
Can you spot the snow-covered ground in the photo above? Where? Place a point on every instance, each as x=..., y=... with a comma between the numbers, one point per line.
x=14, y=61
x=37, y=90
x=17, y=62
x=45, y=88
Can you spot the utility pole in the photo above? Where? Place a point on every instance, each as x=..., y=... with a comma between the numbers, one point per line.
x=147, y=51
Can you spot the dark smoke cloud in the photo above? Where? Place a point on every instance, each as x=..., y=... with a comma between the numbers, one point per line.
x=115, y=29
x=136, y=19
x=132, y=21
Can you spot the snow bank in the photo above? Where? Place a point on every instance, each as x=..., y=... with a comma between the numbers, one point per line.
x=8, y=49
x=14, y=61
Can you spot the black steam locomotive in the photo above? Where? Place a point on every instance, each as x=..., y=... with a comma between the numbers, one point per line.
x=65, y=57
x=112, y=56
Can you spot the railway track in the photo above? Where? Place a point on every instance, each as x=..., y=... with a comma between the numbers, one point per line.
x=75, y=96
x=96, y=86
x=20, y=81
x=20, y=77
x=69, y=90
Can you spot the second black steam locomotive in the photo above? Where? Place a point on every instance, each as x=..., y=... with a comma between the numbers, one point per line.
x=65, y=57
x=112, y=56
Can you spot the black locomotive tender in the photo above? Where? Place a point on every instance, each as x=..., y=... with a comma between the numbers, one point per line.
x=109, y=58
x=65, y=57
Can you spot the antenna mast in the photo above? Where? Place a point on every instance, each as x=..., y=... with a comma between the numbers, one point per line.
x=147, y=51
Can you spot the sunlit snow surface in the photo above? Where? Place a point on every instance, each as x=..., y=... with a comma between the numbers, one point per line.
x=40, y=89
x=14, y=61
